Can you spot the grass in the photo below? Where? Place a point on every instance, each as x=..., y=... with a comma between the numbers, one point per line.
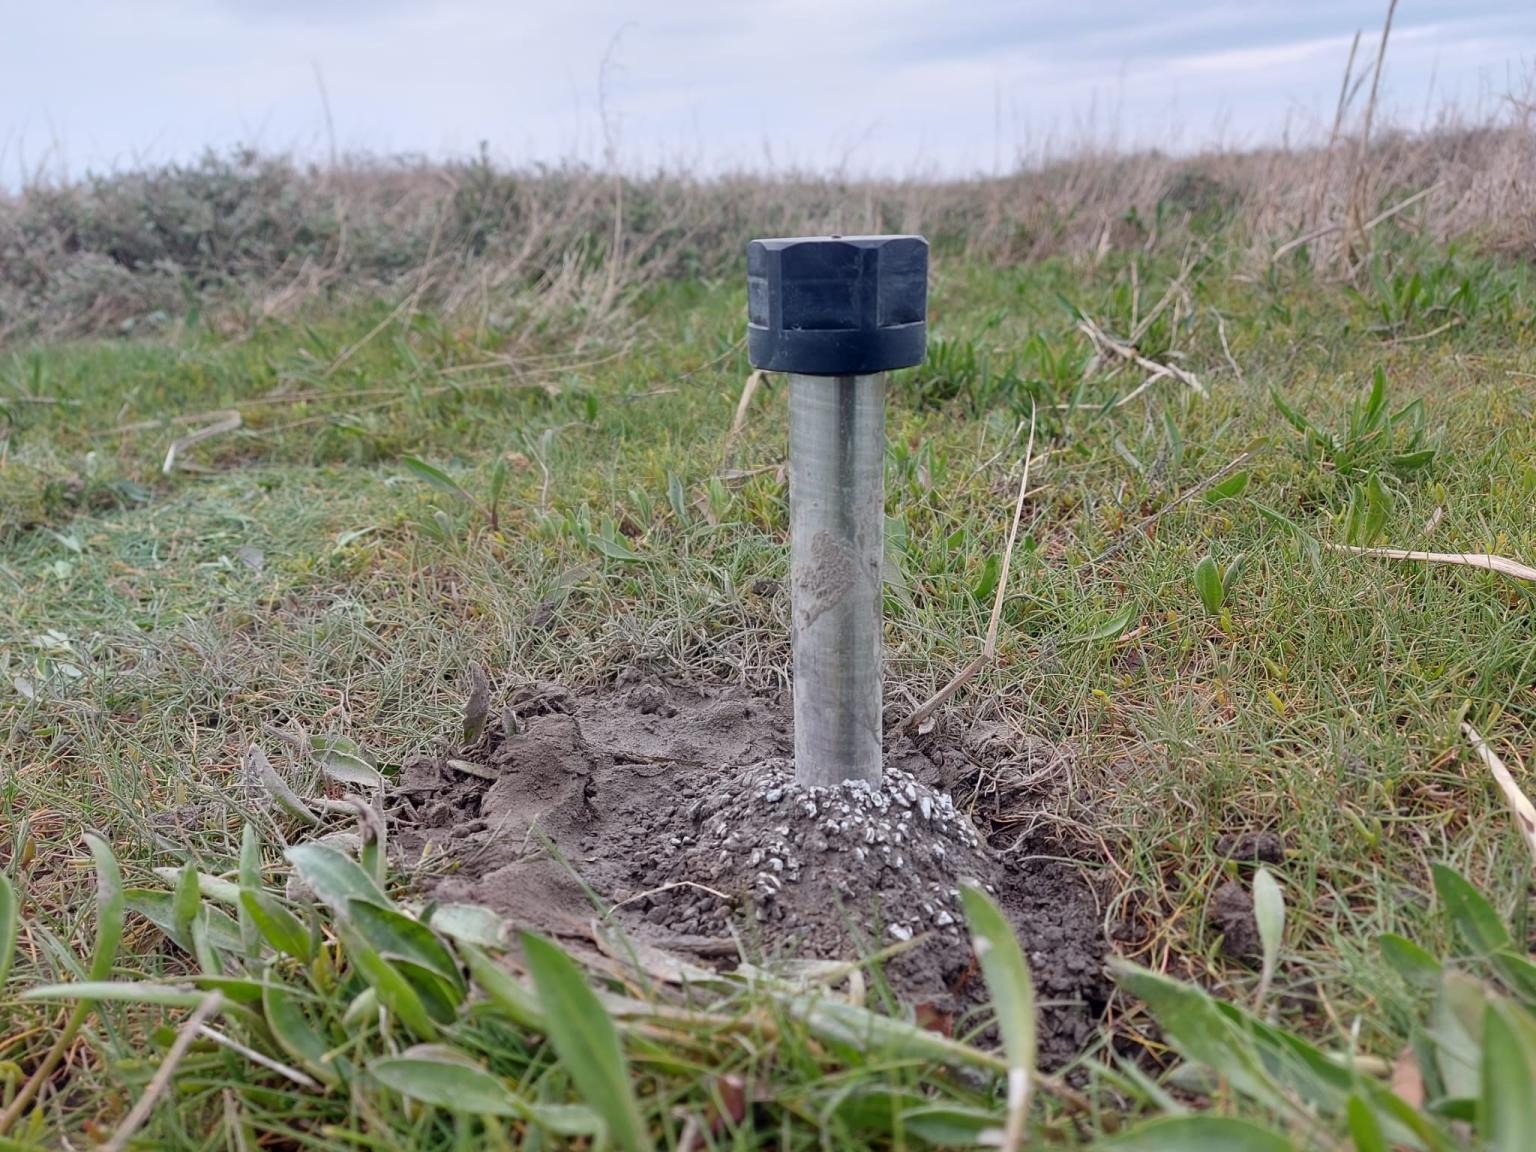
x=299, y=569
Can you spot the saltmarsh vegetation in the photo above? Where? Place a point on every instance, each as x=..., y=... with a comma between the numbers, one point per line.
x=425, y=420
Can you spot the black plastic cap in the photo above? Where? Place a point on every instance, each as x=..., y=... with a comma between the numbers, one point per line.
x=837, y=305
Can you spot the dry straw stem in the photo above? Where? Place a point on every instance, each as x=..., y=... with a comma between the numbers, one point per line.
x=1361, y=187
x=227, y=421
x=162, y=1078
x=743, y=406
x=1126, y=352
x=989, y=648
x=1500, y=564
x=1519, y=803
x=1328, y=229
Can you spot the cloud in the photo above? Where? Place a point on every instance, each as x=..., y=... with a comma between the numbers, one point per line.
x=886, y=85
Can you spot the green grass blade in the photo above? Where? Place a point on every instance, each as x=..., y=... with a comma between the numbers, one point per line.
x=10, y=921
x=587, y=1042
x=1013, y=1000
x=110, y=907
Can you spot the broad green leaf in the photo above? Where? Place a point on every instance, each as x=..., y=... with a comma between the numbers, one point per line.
x=278, y=926
x=333, y=877
x=1208, y=585
x=1364, y=1128
x=953, y=1126
x=614, y=548
x=1418, y=968
x=363, y=1010
x=436, y=477
x=187, y=901
x=1234, y=485
x=240, y=989
x=344, y=762
x=1376, y=403
x=1292, y=417
x=1199, y=1133
x=1507, y=1109
x=469, y=923
x=214, y=888
x=124, y=992
x=1013, y=999
x=575, y=1120
x=1378, y=507
x=250, y=878
x=438, y=996
x=837, y=1022
x=1413, y=461
x=109, y=907
x=285, y=797
x=987, y=584
x=1233, y=574
x=499, y=476
x=587, y=1042
x=1517, y=974
x=295, y=1035
x=1478, y=924
x=393, y=989
x=1455, y=1025
x=392, y=933
x=1197, y=1027
x=10, y=920
x=444, y=1078
x=1269, y=912
x=677, y=496
x=159, y=909
x=503, y=989
x=1113, y=626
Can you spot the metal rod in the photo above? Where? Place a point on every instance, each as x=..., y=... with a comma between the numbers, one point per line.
x=837, y=543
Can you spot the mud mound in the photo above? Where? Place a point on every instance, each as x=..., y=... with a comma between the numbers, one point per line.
x=680, y=808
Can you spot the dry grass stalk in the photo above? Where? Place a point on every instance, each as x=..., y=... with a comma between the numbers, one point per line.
x=1129, y=354
x=1519, y=803
x=1360, y=190
x=161, y=1080
x=227, y=422
x=1486, y=560
x=739, y=421
x=989, y=647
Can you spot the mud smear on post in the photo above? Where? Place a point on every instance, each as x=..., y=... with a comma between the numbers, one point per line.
x=678, y=807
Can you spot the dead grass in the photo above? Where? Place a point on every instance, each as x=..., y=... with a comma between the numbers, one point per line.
x=246, y=237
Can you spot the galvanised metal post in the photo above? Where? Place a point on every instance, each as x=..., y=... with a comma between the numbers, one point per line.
x=836, y=313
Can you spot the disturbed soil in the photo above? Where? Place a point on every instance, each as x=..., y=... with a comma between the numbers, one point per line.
x=677, y=808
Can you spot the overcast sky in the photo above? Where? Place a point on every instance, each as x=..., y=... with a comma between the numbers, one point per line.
x=895, y=86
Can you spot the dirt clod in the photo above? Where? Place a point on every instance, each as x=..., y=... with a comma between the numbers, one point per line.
x=680, y=808
x=1252, y=847
x=1230, y=912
